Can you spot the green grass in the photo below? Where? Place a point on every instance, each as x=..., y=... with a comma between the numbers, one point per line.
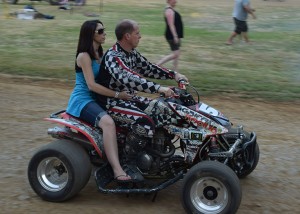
x=268, y=69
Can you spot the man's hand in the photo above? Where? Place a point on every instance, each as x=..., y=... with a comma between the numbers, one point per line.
x=179, y=76
x=250, y=10
x=167, y=91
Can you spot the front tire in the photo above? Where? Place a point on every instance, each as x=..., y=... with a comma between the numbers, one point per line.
x=248, y=170
x=211, y=187
x=59, y=170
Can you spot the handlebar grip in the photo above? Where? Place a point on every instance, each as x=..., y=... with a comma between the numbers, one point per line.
x=182, y=83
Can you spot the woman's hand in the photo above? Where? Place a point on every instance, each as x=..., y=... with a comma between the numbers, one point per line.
x=176, y=40
x=125, y=95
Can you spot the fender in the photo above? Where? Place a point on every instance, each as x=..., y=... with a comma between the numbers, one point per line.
x=94, y=136
x=198, y=119
x=211, y=113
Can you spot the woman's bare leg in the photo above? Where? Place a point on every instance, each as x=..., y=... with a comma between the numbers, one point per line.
x=173, y=56
x=110, y=146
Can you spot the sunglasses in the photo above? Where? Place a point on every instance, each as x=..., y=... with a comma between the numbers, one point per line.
x=100, y=31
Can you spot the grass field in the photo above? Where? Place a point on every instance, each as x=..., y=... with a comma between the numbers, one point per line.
x=267, y=69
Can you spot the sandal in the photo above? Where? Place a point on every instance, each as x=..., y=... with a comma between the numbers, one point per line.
x=133, y=172
x=123, y=181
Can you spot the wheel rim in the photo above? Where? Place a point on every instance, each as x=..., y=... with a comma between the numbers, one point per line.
x=52, y=174
x=209, y=195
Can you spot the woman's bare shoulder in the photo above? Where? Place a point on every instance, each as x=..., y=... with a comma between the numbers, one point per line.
x=82, y=58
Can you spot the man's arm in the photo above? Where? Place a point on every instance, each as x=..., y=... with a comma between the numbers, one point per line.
x=150, y=70
x=125, y=76
x=250, y=10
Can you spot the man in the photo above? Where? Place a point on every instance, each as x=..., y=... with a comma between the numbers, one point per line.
x=124, y=68
x=240, y=15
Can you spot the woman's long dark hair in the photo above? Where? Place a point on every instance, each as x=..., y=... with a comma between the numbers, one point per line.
x=86, y=38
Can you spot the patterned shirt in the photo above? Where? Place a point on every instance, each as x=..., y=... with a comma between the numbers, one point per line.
x=121, y=71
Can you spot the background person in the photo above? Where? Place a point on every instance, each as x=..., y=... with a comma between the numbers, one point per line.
x=173, y=33
x=82, y=104
x=240, y=15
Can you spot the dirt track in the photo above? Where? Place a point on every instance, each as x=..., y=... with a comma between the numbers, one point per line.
x=272, y=188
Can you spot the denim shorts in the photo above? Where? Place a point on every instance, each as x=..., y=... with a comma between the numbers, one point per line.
x=92, y=113
x=174, y=46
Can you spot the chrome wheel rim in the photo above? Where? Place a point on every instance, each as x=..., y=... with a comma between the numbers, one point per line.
x=52, y=174
x=209, y=195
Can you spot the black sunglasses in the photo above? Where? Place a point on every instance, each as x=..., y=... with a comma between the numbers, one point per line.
x=100, y=31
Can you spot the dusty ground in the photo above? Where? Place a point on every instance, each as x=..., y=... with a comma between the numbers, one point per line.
x=272, y=188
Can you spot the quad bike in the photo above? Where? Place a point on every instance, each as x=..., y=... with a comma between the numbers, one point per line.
x=201, y=147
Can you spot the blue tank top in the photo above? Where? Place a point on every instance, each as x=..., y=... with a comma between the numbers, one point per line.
x=81, y=95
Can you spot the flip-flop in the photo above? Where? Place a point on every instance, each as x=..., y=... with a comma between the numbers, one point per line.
x=133, y=172
x=123, y=181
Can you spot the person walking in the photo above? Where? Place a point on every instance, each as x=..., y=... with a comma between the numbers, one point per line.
x=81, y=103
x=240, y=15
x=173, y=33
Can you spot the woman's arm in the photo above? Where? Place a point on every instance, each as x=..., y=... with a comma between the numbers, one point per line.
x=84, y=61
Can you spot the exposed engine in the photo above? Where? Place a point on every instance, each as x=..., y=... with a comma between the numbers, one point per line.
x=155, y=153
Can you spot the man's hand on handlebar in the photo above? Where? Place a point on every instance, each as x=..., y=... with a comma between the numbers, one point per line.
x=179, y=76
x=168, y=92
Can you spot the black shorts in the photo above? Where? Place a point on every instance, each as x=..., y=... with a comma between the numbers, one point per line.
x=174, y=46
x=240, y=26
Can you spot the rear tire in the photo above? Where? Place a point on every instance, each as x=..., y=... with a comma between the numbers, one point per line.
x=59, y=170
x=211, y=187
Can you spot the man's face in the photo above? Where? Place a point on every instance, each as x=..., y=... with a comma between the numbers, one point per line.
x=135, y=37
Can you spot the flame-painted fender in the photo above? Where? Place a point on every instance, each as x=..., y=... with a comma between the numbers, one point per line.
x=94, y=136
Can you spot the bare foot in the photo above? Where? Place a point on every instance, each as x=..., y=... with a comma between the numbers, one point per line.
x=228, y=43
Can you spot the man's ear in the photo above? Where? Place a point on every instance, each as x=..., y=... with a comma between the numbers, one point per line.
x=127, y=36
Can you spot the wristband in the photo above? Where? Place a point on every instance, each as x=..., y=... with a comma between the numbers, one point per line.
x=117, y=94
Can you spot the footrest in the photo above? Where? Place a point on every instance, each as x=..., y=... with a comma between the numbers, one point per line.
x=104, y=175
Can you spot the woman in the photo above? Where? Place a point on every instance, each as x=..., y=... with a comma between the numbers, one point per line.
x=173, y=33
x=82, y=104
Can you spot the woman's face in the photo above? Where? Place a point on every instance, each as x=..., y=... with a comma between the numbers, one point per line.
x=172, y=3
x=100, y=34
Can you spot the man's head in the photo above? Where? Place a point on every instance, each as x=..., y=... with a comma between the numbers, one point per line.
x=128, y=33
